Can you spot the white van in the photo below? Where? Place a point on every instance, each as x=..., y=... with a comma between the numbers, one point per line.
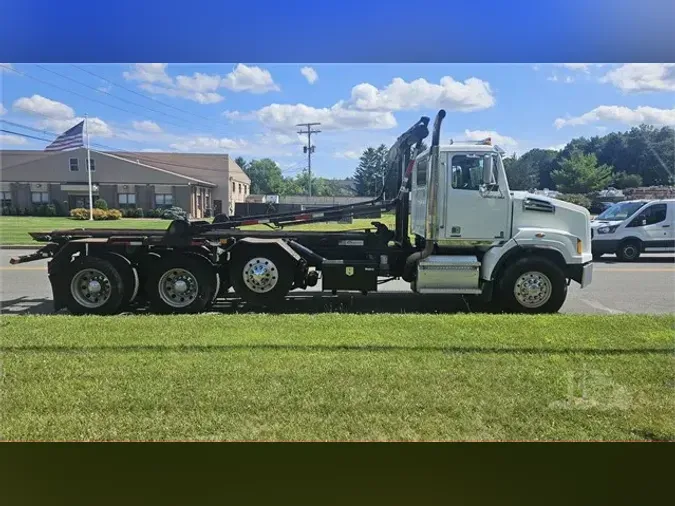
x=633, y=227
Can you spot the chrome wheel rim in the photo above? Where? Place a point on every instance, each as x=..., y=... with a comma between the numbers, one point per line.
x=260, y=275
x=178, y=288
x=533, y=289
x=90, y=288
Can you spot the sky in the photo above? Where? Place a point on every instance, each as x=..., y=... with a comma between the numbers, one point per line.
x=251, y=110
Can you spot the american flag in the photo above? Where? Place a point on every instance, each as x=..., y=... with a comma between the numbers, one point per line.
x=71, y=138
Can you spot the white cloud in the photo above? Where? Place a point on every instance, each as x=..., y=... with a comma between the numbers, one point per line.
x=105, y=89
x=553, y=78
x=204, y=144
x=557, y=147
x=639, y=77
x=196, y=96
x=371, y=108
x=149, y=73
x=310, y=74
x=6, y=67
x=583, y=67
x=11, y=140
x=338, y=117
x=471, y=95
x=535, y=67
x=621, y=114
x=41, y=106
x=569, y=79
x=350, y=155
x=2, y=109
x=96, y=126
x=147, y=126
x=251, y=79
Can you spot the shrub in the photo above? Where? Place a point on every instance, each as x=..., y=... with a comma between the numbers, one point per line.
x=173, y=213
x=99, y=214
x=50, y=210
x=139, y=212
x=79, y=213
x=576, y=198
x=101, y=204
x=113, y=214
x=623, y=180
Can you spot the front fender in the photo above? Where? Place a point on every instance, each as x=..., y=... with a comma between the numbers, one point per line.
x=559, y=241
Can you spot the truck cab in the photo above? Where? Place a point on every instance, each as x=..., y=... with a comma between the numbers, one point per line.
x=490, y=239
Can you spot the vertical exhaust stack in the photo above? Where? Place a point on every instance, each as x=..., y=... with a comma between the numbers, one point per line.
x=431, y=229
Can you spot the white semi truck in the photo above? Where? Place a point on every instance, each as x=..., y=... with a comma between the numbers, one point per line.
x=459, y=230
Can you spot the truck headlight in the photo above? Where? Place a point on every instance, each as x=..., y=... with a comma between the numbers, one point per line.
x=608, y=229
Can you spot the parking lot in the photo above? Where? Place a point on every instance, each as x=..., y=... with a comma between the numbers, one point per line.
x=646, y=286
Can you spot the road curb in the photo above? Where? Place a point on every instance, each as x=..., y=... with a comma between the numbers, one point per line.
x=18, y=246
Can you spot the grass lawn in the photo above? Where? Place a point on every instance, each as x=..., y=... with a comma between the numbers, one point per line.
x=14, y=229
x=337, y=377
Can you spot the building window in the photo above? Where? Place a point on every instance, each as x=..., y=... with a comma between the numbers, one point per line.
x=39, y=197
x=163, y=199
x=5, y=199
x=127, y=199
x=239, y=188
x=234, y=187
x=74, y=165
x=93, y=164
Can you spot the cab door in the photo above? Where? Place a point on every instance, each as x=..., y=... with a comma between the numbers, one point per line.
x=471, y=214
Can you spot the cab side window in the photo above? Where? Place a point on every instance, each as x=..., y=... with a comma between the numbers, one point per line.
x=650, y=216
x=467, y=172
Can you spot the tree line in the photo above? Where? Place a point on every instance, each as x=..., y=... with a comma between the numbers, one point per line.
x=267, y=178
x=642, y=156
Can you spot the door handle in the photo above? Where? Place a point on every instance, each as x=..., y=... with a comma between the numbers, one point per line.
x=665, y=226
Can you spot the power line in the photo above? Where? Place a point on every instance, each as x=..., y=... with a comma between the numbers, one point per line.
x=114, y=96
x=24, y=135
x=141, y=94
x=309, y=149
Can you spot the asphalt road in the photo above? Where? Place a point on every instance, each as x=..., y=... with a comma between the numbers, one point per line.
x=647, y=286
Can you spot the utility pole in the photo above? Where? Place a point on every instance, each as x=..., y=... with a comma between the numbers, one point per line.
x=309, y=149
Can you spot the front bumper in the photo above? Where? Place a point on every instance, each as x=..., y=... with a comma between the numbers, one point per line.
x=581, y=273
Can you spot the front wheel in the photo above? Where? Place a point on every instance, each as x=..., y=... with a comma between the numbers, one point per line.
x=533, y=285
x=628, y=251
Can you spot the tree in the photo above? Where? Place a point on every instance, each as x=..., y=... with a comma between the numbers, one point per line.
x=580, y=173
x=265, y=175
x=241, y=162
x=532, y=170
x=370, y=173
x=623, y=180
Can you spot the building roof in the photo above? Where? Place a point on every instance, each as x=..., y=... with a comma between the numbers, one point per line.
x=204, y=168
x=196, y=165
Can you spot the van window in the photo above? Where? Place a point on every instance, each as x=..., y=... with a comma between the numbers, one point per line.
x=651, y=215
x=620, y=211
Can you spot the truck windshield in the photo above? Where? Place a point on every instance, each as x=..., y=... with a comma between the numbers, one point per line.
x=620, y=211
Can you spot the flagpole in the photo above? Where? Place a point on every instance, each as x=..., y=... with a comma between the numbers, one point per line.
x=91, y=196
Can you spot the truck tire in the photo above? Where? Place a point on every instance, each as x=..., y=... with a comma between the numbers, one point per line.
x=180, y=284
x=533, y=284
x=628, y=251
x=93, y=286
x=129, y=276
x=261, y=276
